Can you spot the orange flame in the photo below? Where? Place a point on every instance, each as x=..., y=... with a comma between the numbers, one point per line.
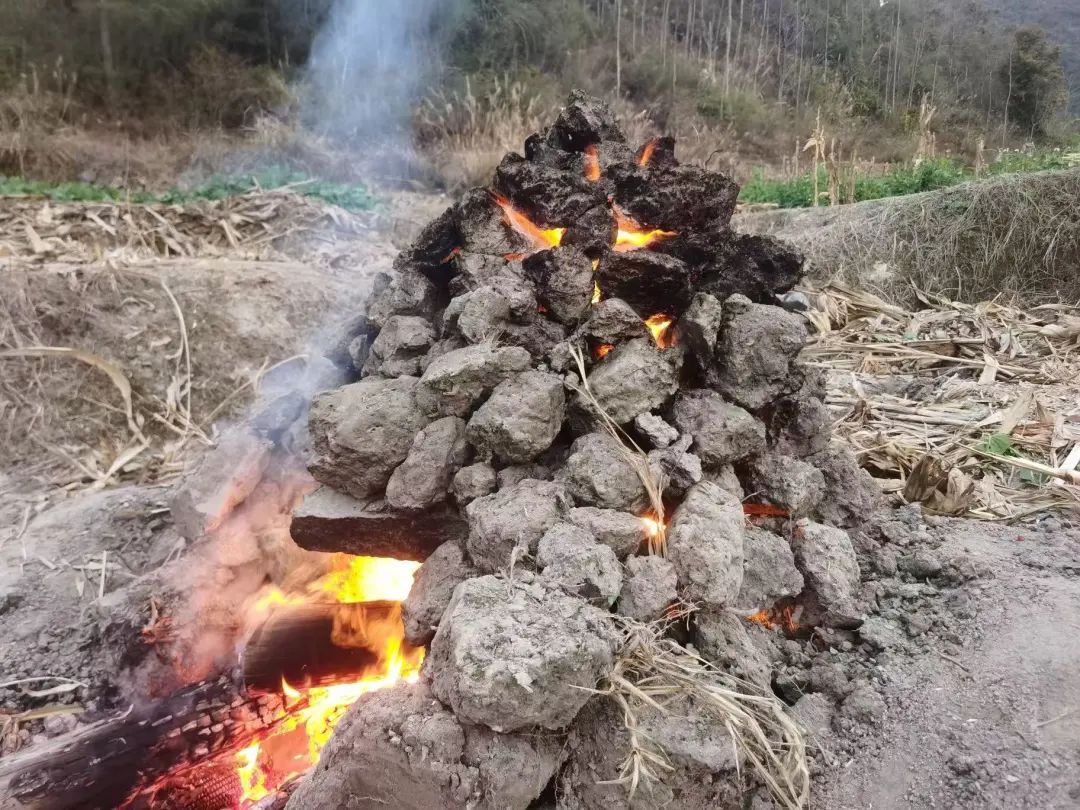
x=592, y=163
x=293, y=745
x=660, y=327
x=602, y=351
x=632, y=236
x=773, y=618
x=542, y=238
x=647, y=153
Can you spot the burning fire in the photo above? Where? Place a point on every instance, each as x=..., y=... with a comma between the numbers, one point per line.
x=773, y=618
x=647, y=153
x=542, y=238
x=592, y=163
x=602, y=351
x=660, y=328
x=632, y=236
x=293, y=745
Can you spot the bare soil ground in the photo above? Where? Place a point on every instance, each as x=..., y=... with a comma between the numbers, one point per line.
x=981, y=705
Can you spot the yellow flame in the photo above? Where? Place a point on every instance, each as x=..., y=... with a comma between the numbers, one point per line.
x=632, y=236
x=592, y=163
x=542, y=238
x=659, y=327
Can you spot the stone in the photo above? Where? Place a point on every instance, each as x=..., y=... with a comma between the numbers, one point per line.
x=520, y=419
x=483, y=314
x=622, y=532
x=423, y=479
x=757, y=346
x=593, y=232
x=722, y=432
x=725, y=477
x=403, y=293
x=361, y=432
x=569, y=555
x=473, y=270
x=547, y=196
x=851, y=496
x=613, y=321
x=401, y=748
x=699, y=328
x=705, y=544
x=598, y=473
x=680, y=198
x=432, y=588
x=642, y=278
x=695, y=743
x=484, y=226
x=472, y=482
x=221, y=481
x=724, y=640
x=564, y=279
x=455, y=382
x=680, y=468
x=439, y=348
x=399, y=347
x=769, y=571
x=649, y=588
x=513, y=519
x=826, y=558
x=327, y=520
x=656, y=432
x=635, y=377
x=519, y=653
x=785, y=482
x=583, y=121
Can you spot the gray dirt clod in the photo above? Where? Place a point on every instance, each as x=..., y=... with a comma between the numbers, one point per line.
x=851, y=496
x=570, y=556
x=786, y=482
x=399, y=347
x=454, y=383
x=599, y=473
x=521, y=418
x=680, y=468
x=423, y=478
x=826, y=558
x=722, y=432
x=518, y=653
x=769, y=571
x=656, y=431
x=564, y=277
x=432, y=588
x=361, y=432
x=622, y=532
x=757, y=345
x=405, y=293
x=725, y=640
x=513, y=518
x=649, y=588
x=472, y=482
x=699, y=327
x=705, y=544
x=635, y=377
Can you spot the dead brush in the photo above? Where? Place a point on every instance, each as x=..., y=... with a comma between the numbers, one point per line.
x=651, y=670
x=653, y=480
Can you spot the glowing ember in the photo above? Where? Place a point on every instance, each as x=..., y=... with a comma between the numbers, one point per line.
x=449, y=256
x=540, y=237
x=595, y=293
x=775, y=618
x=656, y=531
x=647, y=153
x=632, y=236
x=764, y=510
x=660, y=328
x=592, y=163
x=602, y=351
x=652, y=526
x=293, y=745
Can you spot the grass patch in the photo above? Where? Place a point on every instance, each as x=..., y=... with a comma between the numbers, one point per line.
x=352, y=197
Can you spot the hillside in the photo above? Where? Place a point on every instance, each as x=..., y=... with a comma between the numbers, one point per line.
x=1061, y=19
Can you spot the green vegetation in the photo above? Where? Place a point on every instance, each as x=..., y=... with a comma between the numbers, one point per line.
x=349, y=197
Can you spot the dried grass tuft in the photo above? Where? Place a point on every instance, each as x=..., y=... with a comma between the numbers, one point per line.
x=652, y=669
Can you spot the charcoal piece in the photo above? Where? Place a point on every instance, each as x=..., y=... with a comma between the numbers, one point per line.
x=722, y=432
x=431, y=590
x=699, y=327
x=472, y=270
x=785, y=482
x=404, y=293
x=680, y=468
x=454, y=383
x=520, y=419
x=472, y=482
x=769, y=571
x=542, y=147
x=507, y=525
x=635, y=377
x=727, y=642
x=827, y=560
x=757, y=347
x=777, y=263
x=612, y=322
x=484, y=227
x=548, y=197
x=423, y=478
x=657, y=153
x=361, y=432
x=705, y=544
x=431, y=251
x=649, y=588
x=538, y=338
x=570, y=556
x=681, y=198
x=399, y=347
x=593, y=232
x=758, y=267
x=622, y=532
x=649, y=282
x=656, y=432
x=519, y=652
x=564, y=279
x=328, y=520
x=598, y=473
x=585, y=120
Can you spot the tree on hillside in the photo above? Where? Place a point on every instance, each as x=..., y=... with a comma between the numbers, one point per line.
x=1034, y=81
